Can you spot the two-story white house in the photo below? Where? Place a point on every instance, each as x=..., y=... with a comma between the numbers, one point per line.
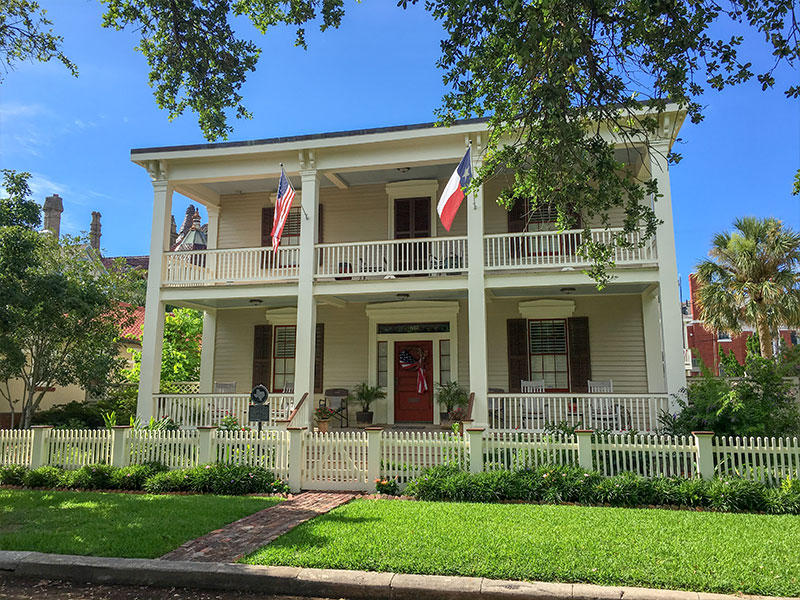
x=366, y=273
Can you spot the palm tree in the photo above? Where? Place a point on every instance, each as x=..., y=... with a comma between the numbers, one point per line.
x=752, y=279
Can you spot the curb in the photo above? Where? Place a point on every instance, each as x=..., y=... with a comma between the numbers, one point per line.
x=321, y=583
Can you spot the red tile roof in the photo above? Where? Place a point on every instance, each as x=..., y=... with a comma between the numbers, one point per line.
x=133, y=332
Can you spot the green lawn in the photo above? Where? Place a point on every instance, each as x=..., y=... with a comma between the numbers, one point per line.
x=714, y=552
x=126, y=525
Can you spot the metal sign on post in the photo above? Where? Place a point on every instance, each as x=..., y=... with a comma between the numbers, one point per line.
x=258, y=411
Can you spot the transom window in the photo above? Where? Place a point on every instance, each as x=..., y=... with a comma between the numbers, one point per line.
x=548, y=353
x=283, y=357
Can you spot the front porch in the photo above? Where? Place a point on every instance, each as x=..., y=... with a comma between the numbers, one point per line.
x=408, y=347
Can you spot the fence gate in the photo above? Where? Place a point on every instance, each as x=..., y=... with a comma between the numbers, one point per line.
x=335, y=461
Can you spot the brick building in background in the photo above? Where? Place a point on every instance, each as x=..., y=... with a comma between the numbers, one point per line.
x=704, y=344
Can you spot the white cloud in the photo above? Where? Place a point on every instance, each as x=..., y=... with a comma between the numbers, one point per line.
x=9, y=110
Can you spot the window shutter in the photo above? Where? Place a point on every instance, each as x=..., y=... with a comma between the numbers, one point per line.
x=319, y=353
x=267, y=216
x=517, y=353
x=580, y=363
x=262, y=355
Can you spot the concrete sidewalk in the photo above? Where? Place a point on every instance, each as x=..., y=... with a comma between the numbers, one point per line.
x=321, y=583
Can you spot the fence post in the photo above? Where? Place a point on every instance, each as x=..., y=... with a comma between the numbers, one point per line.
x=296, y=435
x=373, y=456
x=705, y=453
x=205, y=439
x=475, y=449
x=120, y=457
x=585, y=448
x=39, y=446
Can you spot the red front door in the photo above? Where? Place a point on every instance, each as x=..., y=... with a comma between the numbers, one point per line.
x=413, y=402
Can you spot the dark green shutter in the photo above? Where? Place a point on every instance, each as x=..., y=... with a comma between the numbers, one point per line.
x=319, y=355
x=262, y=355
x=517, y=330
x=580, y=362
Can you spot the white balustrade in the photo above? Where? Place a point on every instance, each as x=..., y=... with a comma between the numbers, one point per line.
x=560, y=249
x=606, y=412
x=240, y=265
x=387, y=258
x=202, y=410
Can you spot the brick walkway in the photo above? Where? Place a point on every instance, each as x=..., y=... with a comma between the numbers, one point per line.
x=253, y=531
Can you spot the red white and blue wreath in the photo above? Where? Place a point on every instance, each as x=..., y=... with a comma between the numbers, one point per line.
x=408, y=362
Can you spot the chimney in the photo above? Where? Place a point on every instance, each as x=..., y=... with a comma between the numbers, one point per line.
x=94, y=231
x=53, y=207
x=173, y=233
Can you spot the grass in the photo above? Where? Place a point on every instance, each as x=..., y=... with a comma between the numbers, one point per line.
x=103, y=524
x=700, y=551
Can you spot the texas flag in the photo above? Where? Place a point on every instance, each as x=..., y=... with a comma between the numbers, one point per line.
x=454, y=191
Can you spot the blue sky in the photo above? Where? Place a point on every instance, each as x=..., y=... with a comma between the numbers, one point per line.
x=75, y=135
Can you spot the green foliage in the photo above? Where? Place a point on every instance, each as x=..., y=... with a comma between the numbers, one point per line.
x=216, y=479
x=25, y=35
x=18, y=210
x=180, y=357
x=364, y=395
x=752, y=278
x=388, y=486
x=134, y=476
x=72, y=415
x=759, y=403
x=565, y=483
x=12, y=474
x=451, y=396
x=44, y=477
x=69, y=337
x=90, y=477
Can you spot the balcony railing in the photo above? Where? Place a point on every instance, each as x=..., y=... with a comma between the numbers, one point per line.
x=190, y=411
x=601, y=412
x=388, y=258
x=559, y=249
x=241, y=265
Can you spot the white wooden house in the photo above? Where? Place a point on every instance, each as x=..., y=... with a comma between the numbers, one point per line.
x=366, y=271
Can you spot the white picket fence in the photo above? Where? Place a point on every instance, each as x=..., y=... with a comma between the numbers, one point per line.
x=353, y=460
x=15, y=446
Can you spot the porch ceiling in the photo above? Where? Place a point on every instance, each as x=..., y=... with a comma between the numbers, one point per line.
x=371, y=298
x=579, y=290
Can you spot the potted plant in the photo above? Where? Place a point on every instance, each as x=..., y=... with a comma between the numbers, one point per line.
x=451, y=397
x=322, y=414
x=364, y=395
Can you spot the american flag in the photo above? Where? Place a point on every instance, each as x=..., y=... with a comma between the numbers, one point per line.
x=284, y=203
x=407, y=361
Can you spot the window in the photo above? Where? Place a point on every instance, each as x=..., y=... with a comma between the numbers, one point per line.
x=445, y=374
x=723, y=336
x=387, y=328
x=283, y=357
x=383, y=364
x=291, y=229
x=548, y=354
x=793, y=337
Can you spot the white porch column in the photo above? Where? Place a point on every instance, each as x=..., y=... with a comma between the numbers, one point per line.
x=671, y=319
x=654, y=358
x=306, y=303
x=478, y=375
x=153, y=337
x=208, y=351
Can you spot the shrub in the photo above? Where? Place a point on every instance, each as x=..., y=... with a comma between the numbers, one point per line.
x=44, y=477
x=73, y=415
x=387, y=486
x=134, y=476
x=565, y=483
x=168, y=481
x=90, y=477
x=12, y=474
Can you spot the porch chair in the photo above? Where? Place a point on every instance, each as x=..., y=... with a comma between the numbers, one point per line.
x=600, y=386
x=288, y=387
x=536, y=410
x=334, y=396
x=224, y=387
x=606, y=414
x=369, y=268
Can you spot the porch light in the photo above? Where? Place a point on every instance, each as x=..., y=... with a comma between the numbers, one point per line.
x=255, y=301
x=567, y=290
x=402, y=296
x=404, y=169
